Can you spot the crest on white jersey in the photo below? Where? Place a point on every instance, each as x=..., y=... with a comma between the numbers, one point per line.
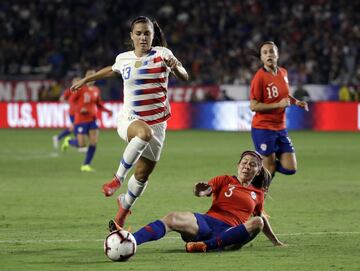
x=138, y=64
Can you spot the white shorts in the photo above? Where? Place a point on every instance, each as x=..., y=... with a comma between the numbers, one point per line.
x=153, y=150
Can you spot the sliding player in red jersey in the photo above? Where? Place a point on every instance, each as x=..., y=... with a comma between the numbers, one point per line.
x=234, y=218
x=87, y=100
x=142, y=122
x=269, y=96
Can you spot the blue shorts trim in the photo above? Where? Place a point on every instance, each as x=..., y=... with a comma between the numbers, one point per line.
x=209, y=227
x=72, y=118
x=267, y=142
x=83, y=128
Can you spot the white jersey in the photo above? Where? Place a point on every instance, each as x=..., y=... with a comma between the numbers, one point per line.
x=145, y=84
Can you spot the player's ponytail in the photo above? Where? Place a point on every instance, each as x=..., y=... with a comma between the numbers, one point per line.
x=159, y=37
x=262, y=180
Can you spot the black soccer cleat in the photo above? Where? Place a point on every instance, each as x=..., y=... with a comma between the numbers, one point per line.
x=112, y=226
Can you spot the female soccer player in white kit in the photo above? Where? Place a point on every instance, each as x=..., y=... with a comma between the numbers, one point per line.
x=142, y=122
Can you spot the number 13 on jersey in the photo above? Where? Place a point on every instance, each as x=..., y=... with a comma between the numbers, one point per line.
x=126, y=73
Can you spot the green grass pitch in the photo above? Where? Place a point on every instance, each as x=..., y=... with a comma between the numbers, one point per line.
x=53, y=217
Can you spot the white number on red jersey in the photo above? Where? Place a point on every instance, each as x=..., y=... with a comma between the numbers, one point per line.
x=87, y=98
x=272, y=91
x=229, y=193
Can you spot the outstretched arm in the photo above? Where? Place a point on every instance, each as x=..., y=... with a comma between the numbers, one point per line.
x=101, y=74
x=180, y=72
x=202, y=189
x=269, y=233
x=299, y=103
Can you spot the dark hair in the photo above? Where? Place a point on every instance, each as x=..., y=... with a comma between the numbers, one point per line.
x=267, y=42
x=257, y=52
x=159, y=38
x=254, y=154
x=262, y=180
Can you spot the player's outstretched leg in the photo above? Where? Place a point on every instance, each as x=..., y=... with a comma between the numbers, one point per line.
x=151, y=232
x=131, y=155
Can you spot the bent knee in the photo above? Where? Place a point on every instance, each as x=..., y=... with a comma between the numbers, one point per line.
x=171, y=219
x=294, y=169
x=139, y=129
x=145, y=134
x=291, y=167
x=286, y=169
x=259, y=222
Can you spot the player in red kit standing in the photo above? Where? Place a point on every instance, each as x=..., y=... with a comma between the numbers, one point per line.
x=65, y=97
x=234, y=218
x=87, y=100
x=269, y=96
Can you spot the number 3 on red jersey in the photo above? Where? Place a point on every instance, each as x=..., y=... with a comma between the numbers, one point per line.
x=229, y=193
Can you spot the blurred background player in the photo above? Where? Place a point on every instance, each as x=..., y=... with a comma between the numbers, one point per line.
x=142, y=122
x=87, y=100
x=65, y=97
x=234, y=218
x=269, y=96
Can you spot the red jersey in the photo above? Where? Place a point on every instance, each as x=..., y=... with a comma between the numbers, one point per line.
x=66, y=95
x=268, y=88
x=86, y=98
x=232, y=202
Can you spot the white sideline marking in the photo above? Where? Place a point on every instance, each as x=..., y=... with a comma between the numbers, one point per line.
x=319, y=233
x=170, y=237
x=27, y=155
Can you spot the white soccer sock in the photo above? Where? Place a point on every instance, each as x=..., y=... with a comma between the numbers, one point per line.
x=131, y=154
x=135, y=189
